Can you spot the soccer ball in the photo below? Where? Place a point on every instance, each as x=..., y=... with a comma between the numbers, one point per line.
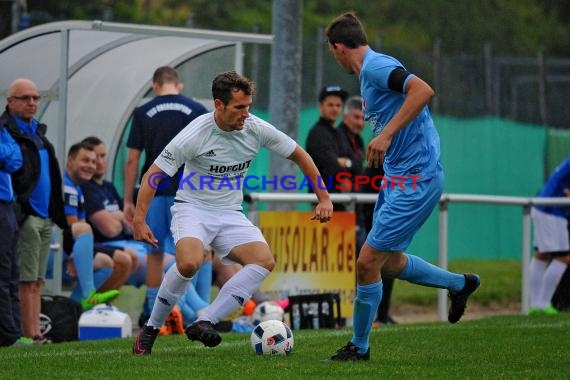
x=272, y=338
x=266, y=311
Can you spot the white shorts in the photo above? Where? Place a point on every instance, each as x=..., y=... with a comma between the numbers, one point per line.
x=550, y=232
x=221, y=229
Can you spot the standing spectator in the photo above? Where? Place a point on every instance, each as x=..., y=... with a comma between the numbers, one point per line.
x=80, y=167
x=324, y=145
x=39, y=199
x=10, y=161
x=154, y=125
x=407, y=143
x=350, y=129
x=552, y=243
x=224, y=141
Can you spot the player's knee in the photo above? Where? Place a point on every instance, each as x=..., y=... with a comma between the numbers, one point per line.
x=187, y=267
x=267, y=262
x=80, y=228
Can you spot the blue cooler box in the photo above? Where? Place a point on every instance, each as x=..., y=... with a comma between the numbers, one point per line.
x=104, y=322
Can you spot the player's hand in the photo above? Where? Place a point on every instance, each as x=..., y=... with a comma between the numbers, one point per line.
x=377, y=149
x=142, y=232
x=323, y=211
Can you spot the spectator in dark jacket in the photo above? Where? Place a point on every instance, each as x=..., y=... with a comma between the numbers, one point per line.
x=38, y=187
x=10, y=161
x=324, y=145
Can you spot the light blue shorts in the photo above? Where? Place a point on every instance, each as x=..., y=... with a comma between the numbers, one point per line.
x=159, y=218
x=399, y=213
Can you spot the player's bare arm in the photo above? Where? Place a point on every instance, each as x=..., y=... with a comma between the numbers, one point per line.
x=131, y=170
x=324, y=209
x=141, y=230
x=418, y=95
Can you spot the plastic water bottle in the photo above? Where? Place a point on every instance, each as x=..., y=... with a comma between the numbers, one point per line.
x=314, y=312
x=296, y=317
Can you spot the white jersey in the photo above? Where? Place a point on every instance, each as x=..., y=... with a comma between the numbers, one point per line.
x=216, y=162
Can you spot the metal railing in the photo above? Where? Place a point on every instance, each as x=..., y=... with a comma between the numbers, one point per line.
x=525, y=202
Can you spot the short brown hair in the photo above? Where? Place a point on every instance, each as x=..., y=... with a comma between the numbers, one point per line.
x=75, y=148
x=165, y=74
x=228, y=82
x=346, y=29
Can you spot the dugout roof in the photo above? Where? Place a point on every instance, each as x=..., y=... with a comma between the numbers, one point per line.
x=108, y=67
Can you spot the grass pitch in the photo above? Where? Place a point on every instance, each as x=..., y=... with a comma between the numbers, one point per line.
x=514, y=347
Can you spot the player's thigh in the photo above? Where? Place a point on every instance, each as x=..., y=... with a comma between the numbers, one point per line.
x=236, y=236
x=255, y=252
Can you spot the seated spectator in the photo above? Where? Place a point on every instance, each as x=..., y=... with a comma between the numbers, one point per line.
x=103, y=209
x=79, y=242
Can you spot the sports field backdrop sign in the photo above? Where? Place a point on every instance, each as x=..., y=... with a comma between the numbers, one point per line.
x=311, y=257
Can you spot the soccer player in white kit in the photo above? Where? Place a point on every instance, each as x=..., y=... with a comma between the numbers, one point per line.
x=217, y=149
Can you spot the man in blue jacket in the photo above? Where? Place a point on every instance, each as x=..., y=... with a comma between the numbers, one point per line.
x=10, y=161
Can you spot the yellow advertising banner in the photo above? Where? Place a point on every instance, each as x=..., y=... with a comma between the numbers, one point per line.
x=311, y=257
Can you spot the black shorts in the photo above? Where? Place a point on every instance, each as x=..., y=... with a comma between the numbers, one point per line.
x=106, y=249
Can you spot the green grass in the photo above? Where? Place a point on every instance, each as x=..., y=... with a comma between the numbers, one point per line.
x=500, y=284
x=513, y=347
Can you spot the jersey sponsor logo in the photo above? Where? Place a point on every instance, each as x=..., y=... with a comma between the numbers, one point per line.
x=229, y=168
x=377, y=126
x=178, y=107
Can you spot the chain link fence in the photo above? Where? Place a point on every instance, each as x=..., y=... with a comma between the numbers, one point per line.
x=533, y=89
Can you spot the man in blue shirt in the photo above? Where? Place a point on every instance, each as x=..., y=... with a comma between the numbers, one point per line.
x=80, y=167
x=10, y=161
x=37, y=185
x=407, y=144
x=154, y=125
x=552, y=243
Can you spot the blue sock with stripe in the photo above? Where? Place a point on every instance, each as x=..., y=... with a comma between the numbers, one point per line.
x=366, y=303
x=83, y=261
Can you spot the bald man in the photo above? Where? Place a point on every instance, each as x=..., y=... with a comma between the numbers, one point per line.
x=39, y=199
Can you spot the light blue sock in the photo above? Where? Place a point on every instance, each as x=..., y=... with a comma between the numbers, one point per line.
x=366, y=303
x=419, y=271
x=203, y=281
x=193, y=299
x=83, y=260
x=188, y=314
x=99, y=277
x=151, y=294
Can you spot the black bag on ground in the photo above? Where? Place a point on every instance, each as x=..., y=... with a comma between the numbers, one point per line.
x=59, y=318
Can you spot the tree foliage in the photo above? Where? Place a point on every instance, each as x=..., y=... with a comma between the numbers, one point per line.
x=513, y=27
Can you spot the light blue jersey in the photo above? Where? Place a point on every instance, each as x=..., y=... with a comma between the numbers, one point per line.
x=415, y=148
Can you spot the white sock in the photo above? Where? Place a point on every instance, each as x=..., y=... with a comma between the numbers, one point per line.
x=235, y=292
x=537, y=268
x=173, y=286
x=550, y=280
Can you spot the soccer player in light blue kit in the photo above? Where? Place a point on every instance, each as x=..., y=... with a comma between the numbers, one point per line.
x=406, y=141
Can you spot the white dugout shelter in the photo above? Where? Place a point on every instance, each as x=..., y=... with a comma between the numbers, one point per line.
x=107, y=69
